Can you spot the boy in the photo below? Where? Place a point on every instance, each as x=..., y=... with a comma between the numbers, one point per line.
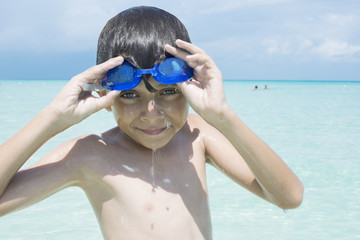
x=145, y=179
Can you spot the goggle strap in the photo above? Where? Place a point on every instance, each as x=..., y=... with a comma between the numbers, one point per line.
x=148, y=86
x=92, y=87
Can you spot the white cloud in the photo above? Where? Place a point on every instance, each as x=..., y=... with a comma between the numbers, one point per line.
x=215, y=6
x=334, y=50
x=231, y=31
x=228, y=43
x=305, y=44
x=69, y=25
x=341, y=20
x=320, y=36
x=55, y=25
x=80, y=24
x=275, y=46
x=308, y=49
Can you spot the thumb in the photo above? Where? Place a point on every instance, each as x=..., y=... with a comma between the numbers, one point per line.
x=189, y=88
x=107, y=100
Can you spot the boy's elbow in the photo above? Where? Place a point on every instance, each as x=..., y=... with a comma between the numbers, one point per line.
x=295, y=198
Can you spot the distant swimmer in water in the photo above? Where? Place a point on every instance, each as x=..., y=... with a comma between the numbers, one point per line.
x=256, y=88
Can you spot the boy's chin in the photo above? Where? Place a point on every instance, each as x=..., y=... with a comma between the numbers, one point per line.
x=155, y=142
x=154, y=145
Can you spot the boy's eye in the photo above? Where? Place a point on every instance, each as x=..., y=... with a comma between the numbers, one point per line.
x=128, y=95
x=170, y=91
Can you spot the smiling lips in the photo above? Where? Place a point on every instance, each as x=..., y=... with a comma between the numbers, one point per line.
x=153, y=132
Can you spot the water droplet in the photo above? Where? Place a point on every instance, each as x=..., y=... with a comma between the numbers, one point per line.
x=166, y=180
x=167, y=122
x=130, y=169
x=153, y=100
x=152, y=170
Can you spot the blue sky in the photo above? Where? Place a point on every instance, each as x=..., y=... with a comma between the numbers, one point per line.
x=248, y=39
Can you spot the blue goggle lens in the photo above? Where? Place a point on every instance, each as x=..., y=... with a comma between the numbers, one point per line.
x=120, y=78
x=122, y=75
x=126, y=76
x=172, y=68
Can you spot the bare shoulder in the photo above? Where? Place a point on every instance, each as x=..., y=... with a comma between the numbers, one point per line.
x=217, y=146
x=195, y=121
x=82, y=146
x=206, y=130
x=88, y=145
x=75, y=154
x=211, y=138
x=84, y=150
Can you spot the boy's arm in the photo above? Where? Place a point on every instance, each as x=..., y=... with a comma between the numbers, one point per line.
x=70, y=106
x=52, y=173
x=19, y=148
x=205, y=93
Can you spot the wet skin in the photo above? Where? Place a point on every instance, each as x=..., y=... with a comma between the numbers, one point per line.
x=146, y=195
x=151, y=118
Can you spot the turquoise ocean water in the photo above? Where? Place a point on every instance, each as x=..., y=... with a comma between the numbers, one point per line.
x=313, y=126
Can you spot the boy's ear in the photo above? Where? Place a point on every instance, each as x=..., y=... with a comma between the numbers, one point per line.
x=101, y=94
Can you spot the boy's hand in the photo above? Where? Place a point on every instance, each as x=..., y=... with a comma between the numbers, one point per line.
x=73, y=104
x=205, y=91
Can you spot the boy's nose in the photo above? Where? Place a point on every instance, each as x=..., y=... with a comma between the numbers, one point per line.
x=151, y=111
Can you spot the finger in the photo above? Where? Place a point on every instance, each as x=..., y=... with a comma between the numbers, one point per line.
x=189, y=88
x=182, y=55
x=176, y=52
x=97, y=72
x=106, y=100
x=200, y=59
x=189, y=47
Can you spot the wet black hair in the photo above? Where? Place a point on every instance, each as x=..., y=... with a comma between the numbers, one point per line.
x=139, y=34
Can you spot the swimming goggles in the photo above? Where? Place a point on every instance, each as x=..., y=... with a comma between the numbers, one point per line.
x=126, y=76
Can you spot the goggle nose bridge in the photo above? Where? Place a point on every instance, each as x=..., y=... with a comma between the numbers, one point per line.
x=140, y=72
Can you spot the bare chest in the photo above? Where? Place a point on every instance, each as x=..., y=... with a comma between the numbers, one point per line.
x=160, y=194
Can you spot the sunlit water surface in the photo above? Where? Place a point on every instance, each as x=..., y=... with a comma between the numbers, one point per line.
x=313, y=126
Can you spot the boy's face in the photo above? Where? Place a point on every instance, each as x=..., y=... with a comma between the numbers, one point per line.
x=151, y=119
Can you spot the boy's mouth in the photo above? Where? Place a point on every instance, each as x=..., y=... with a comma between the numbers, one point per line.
x=153, y=131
